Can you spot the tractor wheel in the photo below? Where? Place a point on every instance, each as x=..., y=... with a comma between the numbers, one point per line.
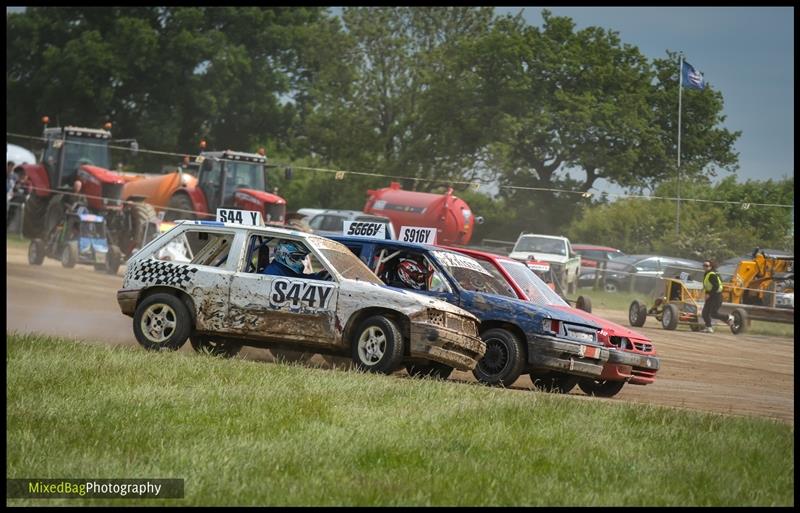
x=180, y=207
x=140, y=215
x=669, y=318
x=637, y=313
x=69, y=255
x=35, y=208
x=36, y=252
x=433, y=370
x=584, y=303
x=740, y=321
x=113, y=259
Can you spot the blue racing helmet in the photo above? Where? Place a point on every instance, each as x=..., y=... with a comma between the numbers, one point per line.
x=291, y=254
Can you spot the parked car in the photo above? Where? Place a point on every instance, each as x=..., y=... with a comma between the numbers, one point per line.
x=591, y=254
x=521, y=337
x=644, y=270
x=565, y=264
x=635, y=360
x=220, y=301
x=331, y=222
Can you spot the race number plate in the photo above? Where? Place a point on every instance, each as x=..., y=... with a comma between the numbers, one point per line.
x=418, y=234
x=364, y=229
x=246, y=217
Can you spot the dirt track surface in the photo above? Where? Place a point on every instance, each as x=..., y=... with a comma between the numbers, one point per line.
x=720, y=372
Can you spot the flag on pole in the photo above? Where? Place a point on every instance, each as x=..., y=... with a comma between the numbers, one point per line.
x=692, y=78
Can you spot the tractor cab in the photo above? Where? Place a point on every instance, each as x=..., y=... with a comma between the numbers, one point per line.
x=223, y=173
x=68, y=148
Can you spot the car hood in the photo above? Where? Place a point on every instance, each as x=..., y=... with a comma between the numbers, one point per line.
x=531, y=255
x=403, y=300
x=519, y=306
x=613, y=329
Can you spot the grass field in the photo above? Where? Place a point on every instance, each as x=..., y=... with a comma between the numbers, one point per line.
x=621, y=301
x=250, y=433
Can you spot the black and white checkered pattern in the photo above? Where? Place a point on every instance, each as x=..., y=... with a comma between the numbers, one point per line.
x=161, y=273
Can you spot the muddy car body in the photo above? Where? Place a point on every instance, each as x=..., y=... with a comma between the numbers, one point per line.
x=635, y=359
x=553, y=345
x=221, y=301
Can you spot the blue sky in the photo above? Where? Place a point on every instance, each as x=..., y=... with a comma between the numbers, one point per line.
x=747, y=53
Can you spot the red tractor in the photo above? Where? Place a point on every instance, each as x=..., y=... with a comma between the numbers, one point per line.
x=75, y=167
x=230, y=179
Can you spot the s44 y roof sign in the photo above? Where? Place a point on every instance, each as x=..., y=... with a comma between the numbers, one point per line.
x=246, y=217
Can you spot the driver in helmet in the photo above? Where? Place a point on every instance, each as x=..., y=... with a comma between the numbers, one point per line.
x=289, y=261
x=409, y=274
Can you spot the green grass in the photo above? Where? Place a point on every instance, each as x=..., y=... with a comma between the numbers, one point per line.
x=621, y=301
x=250, y=433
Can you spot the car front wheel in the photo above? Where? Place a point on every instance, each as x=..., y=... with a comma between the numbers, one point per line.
x=162, y=323
x=504, y=359
x=378, y=345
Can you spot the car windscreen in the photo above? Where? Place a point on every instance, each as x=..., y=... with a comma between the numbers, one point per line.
x=344, y=261
x=541, y=245
x=471, y=275
x=537, y=290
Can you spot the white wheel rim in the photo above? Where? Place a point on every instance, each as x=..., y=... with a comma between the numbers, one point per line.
x=667, y=316
x=371, y=345
x=158, y=322
x=633, y=313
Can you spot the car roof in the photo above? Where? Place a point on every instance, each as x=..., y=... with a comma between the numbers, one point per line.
x=478, y=253
x=559, y=237
x=346, y=213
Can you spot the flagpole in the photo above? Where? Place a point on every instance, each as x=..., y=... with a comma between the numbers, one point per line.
x=678, y=183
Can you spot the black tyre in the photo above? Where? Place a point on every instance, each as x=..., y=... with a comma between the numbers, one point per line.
x=215, y=347
x=113, y=259
x=140, y=215
x=669, y=318
x=740, y=321
x=637, y=314
x=377, y=345
x=35, y=208
x=433, y=370
x=55, y=212
x=600, y=388
x=180, y=207
x=504, y=359
x=584, y=303
x=555, y=382
x=36, y=252
x=162, y=323
x=69, y=255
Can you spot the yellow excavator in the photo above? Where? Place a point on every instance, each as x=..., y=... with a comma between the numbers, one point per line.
x=766, y=279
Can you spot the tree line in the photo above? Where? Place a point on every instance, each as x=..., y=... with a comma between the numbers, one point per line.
x=437, y=95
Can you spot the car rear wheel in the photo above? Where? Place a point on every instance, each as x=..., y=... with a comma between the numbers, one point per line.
x=215, y=347
x=433, y=370
x=162, y=323
x=600, y=388
x=584, y=303
x=669, y=318
x=504, y=359
x=378, y=345
x=69, y=255
x=740, y=321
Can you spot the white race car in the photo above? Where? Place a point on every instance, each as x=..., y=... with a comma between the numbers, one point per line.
x=220, y=300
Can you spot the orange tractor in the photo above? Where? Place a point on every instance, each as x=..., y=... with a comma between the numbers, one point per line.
x=765, y=279
x=228, y=179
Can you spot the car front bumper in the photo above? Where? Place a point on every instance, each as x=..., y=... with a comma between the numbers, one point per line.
x=127, y=299
x=566, y=356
